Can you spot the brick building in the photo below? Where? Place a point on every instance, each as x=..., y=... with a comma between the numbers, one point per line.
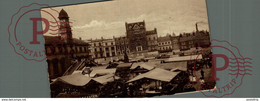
x=151, y=37
x=165, y=43
x=122, y=45
x=194, y=39
x=62, y=49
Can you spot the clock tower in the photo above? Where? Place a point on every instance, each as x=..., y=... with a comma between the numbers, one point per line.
x=65, y=29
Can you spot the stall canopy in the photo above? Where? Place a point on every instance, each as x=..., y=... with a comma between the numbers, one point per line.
x=182, y=65
x=106, y=78
x=184, y=58
x=76, y=79
x=143, y=65
x=124, y=65
x=102, y=72
x=157, y=74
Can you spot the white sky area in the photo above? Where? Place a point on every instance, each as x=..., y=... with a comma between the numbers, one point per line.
x=107, y=19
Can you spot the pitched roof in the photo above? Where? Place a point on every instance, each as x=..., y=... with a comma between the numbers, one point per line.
x=173, y=66
x=76, y=79
x=106, y=78
x=102, y=72
x=157, y=74
x=143, y=65
x=124, y=65
x=165, y=38
x=63, y=13
x=151, y=32
x=57, y=40
x=184, y=58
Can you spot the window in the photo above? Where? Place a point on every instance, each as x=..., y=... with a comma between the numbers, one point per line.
x=112, y=48
x=113, y=54
x=108, y=55
x=139, y=48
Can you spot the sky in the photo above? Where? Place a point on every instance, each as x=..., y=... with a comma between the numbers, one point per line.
x=107, y=19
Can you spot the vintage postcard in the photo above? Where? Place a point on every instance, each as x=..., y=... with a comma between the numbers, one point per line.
x=128, y=48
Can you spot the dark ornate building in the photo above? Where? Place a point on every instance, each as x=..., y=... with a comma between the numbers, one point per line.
x=62, y=49
x=135, y=33
x=139, y=39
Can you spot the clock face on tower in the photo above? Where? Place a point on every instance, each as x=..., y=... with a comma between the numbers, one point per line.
x=62, y=22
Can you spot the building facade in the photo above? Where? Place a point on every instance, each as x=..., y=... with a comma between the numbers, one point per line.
x=102, y=48
x=165, y=43
x=135, y=33
x=175, y=43
x=62, y=49
x=139, y=39
x=194, y=39
x=122, y=45
x=151, y=37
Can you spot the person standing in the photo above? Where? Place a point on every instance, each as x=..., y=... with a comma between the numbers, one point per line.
x=202, y=74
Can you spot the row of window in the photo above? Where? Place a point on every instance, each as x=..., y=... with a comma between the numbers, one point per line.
x=166, y=48
x=164, y=43
x=186, y=47
x=149, y=38
x=62, y=50
x=101, y=55
x=184, y=43
x=106, y=49
x=103, y=44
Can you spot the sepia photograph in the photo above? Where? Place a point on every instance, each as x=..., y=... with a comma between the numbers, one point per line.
x=128, y=49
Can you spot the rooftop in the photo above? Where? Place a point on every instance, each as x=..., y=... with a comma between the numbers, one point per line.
x=57, y=40
x=157, y=74
x=63, y=14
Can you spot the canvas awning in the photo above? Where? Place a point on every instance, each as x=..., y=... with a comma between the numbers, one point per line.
x=143, y=65
x=184, y=58
x=182, y=65
x=106, y=78
x=76, y=79
x=124, y=65
x=102, y=72
x=157, y=74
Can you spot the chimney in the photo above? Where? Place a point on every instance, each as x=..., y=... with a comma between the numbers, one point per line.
x=126, y=25
x=80, y=38
x=197, y=30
